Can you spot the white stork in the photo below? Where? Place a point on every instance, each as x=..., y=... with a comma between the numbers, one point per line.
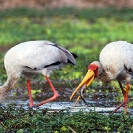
x=31, y=58
x=116, y=63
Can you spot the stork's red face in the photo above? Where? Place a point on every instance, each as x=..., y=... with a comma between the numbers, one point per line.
x=91, y=74
x=94, y=68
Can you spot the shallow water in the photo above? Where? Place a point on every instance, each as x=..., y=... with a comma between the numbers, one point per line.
x=96, y=99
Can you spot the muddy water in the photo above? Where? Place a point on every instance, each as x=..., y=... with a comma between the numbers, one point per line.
x=96, y=98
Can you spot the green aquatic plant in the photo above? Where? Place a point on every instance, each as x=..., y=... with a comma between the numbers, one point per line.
x=18, y=119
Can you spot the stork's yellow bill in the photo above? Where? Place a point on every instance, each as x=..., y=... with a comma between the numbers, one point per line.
x=86, y=81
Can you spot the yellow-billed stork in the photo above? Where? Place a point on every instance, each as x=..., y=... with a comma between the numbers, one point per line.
x=115, y=63
x=31, y=58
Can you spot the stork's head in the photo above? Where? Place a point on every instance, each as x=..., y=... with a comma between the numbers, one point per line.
x=94, y=69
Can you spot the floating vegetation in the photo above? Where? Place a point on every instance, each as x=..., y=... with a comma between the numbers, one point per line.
x=20, y=120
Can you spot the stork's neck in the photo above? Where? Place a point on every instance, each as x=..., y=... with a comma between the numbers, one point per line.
x=9, y=84
x=104, y=77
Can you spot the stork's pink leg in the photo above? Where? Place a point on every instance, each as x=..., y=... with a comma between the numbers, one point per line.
x=126, y=97
x=54, y=91
x=125, y=94
x=29, y=93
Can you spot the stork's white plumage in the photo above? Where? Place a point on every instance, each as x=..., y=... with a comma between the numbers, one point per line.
x=31, y=58
x=116, y=63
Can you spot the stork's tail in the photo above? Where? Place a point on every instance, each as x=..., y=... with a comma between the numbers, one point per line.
x=72, y=59
x=70, y=56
